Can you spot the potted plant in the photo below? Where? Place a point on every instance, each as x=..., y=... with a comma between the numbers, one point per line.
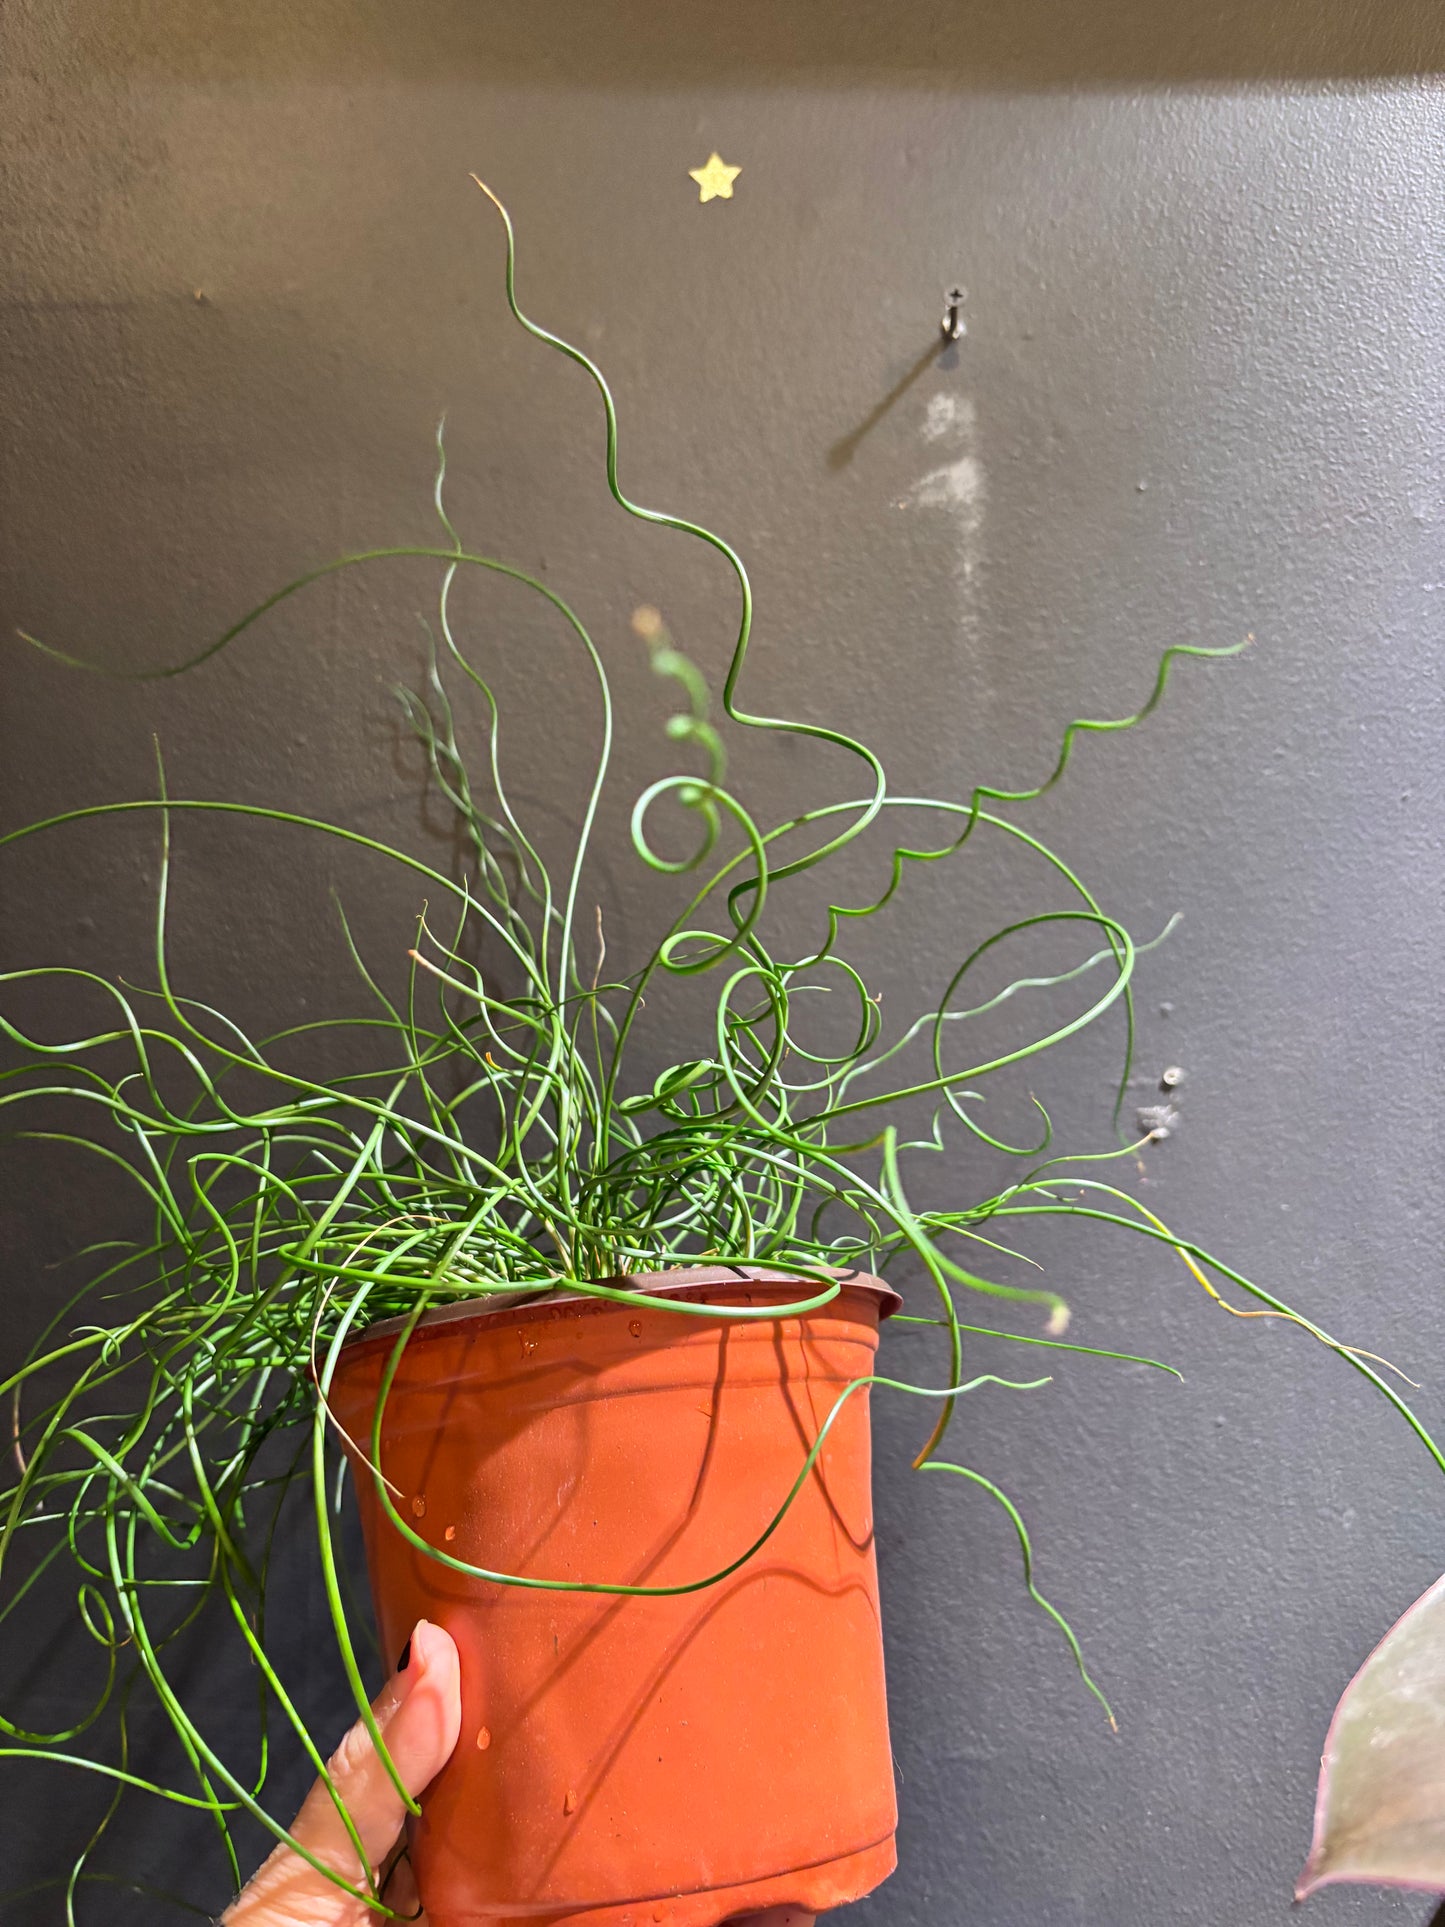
x=596, y=1347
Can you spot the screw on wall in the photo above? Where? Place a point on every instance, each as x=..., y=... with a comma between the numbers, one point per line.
x=954, y=325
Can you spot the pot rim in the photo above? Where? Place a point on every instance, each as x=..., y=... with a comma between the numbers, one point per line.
x=657, y=1284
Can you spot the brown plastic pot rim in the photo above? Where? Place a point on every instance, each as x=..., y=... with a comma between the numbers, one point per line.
x=656, y=1284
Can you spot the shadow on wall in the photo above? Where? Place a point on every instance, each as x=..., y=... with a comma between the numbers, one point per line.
x=1004, y=44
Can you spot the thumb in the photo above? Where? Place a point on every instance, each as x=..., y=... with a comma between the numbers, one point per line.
x=418, y=1713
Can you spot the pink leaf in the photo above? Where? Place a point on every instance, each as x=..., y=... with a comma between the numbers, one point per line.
x=1380, y=1809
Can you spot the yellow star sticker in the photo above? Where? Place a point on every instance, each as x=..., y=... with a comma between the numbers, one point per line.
x=715, y=181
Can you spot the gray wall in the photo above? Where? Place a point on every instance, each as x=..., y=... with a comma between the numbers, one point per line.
x=1200, y=395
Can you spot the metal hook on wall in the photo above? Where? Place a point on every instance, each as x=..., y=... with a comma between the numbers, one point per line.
x=954, y=326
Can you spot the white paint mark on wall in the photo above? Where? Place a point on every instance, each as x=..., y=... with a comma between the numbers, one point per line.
x=955, y=488
x=947, y=412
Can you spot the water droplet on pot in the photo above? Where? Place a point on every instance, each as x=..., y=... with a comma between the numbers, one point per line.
x=636, y=1328
x=450, y=1533
x=529, y=1345
x=569, y=1805
x=418, y=1506
x=484, y=1738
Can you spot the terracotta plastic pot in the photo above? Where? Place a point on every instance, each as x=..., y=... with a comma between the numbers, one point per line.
x=627, y=1761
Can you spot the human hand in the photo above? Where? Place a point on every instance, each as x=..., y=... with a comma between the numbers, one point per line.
x=419, y=1712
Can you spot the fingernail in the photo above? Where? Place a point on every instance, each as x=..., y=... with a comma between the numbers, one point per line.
x=405, y=1660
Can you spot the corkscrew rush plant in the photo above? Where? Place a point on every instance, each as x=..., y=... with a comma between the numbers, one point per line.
x=501, y=1145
